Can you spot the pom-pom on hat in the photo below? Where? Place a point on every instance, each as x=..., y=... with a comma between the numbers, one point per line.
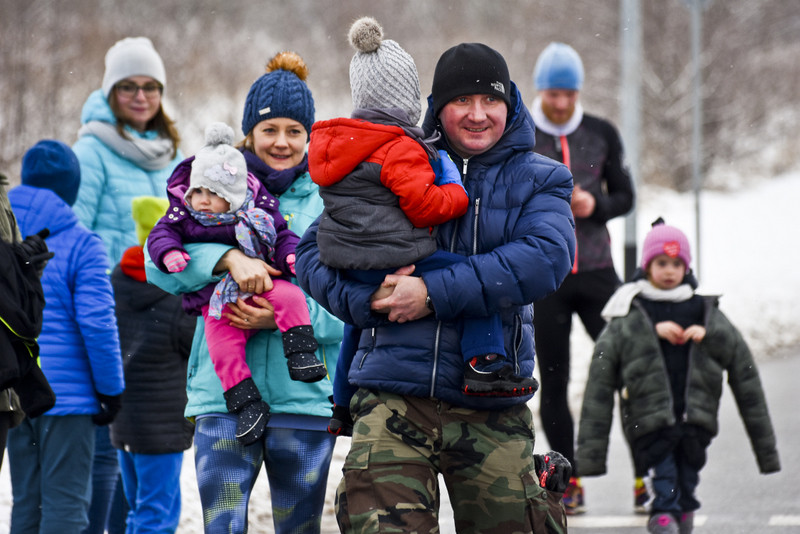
x=558, y=67
x=52, y=165
x=219, y=167
x=132, y=56
x=146, y=211
x=280, y=93
x=664, y=239
x=382, y=74
x=470, y=68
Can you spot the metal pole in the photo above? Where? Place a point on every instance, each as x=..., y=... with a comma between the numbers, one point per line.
x=697, y=130
x=630, y=112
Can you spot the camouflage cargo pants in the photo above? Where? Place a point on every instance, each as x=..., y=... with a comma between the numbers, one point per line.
x=400, y=446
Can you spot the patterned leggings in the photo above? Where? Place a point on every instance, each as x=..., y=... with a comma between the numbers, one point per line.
x=296, y=461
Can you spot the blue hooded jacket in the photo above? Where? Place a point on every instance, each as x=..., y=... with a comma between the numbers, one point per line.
x=79, y=344
x=519, y=235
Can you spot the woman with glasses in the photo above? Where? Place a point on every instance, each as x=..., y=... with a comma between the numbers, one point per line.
x=127, y=147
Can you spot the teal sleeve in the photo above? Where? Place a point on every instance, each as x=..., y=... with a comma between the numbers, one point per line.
x=199, y=271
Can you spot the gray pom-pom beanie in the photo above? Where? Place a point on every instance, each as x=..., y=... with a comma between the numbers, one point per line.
x=382, y=74
x=219, y=167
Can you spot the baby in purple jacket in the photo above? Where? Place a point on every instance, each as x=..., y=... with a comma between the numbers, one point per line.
x=214, y=199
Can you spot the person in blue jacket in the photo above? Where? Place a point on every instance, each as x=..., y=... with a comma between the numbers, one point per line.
x=296, y=448
x=412, y=421
x=127, y=147
x=50, y=456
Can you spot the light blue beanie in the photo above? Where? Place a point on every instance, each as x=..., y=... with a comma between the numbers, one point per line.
x=559, y=67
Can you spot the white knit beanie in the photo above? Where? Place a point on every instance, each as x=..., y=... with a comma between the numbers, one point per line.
x=219, y=167
x=132, y=56
x=382, y=74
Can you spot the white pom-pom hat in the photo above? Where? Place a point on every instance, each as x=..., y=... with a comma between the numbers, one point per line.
x=220, y=167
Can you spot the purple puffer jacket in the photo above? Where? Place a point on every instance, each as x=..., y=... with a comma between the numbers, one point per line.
x=178, y=227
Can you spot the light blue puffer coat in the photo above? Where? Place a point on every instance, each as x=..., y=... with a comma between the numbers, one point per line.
x=109, y=182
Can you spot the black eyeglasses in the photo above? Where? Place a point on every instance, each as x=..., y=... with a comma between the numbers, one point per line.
x=130, y=89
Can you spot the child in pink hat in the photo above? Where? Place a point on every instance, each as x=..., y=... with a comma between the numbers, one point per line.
x=663, y=352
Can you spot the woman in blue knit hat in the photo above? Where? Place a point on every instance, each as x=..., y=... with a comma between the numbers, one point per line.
x=296, y=448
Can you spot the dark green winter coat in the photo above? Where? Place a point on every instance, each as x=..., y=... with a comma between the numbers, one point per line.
x=628, y=360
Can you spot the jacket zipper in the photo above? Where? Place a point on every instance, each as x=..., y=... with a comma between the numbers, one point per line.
x=662, y=360
x=374, y=335
x=706, y=314
x=456, y=224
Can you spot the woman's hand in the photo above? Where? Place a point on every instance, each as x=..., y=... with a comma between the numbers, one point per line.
x=246, y=317
x=251, y=274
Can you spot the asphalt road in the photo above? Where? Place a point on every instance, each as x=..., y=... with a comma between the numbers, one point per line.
x=735, y=497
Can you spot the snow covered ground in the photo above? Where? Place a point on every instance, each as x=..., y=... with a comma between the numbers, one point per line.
x=749, y=254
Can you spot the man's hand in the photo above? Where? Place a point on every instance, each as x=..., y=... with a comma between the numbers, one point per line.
x=401, y=296
x=583, y=203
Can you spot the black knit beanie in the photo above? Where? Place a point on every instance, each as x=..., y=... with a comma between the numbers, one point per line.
x=470, y=68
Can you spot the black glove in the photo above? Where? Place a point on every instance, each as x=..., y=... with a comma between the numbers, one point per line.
x=553, y=470
x=109, y=408
x=341, y=423
x=33, y=251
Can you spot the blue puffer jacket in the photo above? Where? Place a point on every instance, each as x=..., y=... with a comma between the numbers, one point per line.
x=519, y=234
x=79, y=344
x=109, y=182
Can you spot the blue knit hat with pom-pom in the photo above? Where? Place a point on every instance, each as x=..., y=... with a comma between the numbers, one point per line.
x=280, y=93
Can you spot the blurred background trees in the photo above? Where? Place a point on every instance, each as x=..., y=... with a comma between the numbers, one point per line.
x=51, y=58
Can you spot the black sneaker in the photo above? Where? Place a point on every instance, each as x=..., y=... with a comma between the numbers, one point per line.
x=492, y=376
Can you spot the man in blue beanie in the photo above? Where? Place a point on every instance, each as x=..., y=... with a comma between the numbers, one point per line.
x=592, y=149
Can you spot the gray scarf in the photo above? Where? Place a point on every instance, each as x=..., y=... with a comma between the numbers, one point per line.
x=149, y=154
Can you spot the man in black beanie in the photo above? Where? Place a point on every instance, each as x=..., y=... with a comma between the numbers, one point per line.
x=413, y=421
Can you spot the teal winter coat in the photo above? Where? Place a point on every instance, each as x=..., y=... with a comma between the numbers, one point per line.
x=300, y=206
x=110, y=181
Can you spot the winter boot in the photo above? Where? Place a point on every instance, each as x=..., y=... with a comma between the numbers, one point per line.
x=299, y=346
x=662, y=523
x=573, y=497
x=491, y=375
x=244, y=400
x=687, y=523
x=642, y=495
